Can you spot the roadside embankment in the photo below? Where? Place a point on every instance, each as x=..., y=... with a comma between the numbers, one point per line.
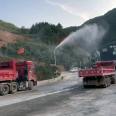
x=63, y=76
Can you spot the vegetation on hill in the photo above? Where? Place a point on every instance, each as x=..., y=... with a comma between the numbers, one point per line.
x=48, y=33
x=8, y=27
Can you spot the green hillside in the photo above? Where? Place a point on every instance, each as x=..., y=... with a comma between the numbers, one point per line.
x=8, y=27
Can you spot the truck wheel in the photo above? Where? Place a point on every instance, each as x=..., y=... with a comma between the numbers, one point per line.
x=13, y=88
x=30, y=85
x=113, y=80
x=107, y=82
x=85, y=86
x=105, y=85
x=22, y=86
x=4, y=89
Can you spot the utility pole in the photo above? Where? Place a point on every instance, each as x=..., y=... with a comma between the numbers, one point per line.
x=55, y=57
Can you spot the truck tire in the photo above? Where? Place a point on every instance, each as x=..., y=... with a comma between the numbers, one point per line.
x=22, y=86
x=105, y=85
x=85, y=86
x=30, y=85
x=13, y=88
x=113, y=80
x=107, y=82
x=4, y=89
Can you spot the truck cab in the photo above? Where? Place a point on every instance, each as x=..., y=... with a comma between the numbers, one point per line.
x=26, y=71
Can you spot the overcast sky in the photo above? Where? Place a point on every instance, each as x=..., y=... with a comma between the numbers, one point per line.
x=67, y=12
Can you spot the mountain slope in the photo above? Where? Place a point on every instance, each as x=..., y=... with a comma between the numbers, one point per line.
x=108, y=21
x=8, y=37
x=8, y=27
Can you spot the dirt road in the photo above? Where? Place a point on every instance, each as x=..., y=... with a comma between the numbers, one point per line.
x=43, y=89
x=71, y=100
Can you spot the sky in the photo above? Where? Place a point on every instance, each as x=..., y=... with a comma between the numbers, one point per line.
x=67, y=12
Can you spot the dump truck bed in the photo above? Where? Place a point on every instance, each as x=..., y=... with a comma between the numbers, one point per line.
x=96, y=72
x=7, y=75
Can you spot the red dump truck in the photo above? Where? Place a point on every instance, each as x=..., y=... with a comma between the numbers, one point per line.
x=16, y=75
x=103, y=73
